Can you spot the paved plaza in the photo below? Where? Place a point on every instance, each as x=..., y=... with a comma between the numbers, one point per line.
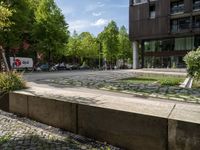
x=20, y=133
x=110, y=80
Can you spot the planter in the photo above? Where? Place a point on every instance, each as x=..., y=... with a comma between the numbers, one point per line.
x=4, y=102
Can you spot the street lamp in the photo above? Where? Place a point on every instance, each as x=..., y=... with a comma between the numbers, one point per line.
x=100, y=48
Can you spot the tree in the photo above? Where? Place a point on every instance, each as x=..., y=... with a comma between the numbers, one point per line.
x=74, y=47
x=125, y=48
x=89, y=46
x=50, y=30
x=5, y=14
x=110, y=41
x=21, y=19
x=192, y=60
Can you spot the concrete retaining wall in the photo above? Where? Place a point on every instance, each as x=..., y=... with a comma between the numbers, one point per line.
x=4, y=102
x=129, y=130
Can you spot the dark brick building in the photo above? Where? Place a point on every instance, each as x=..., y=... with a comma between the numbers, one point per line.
x=163, y=31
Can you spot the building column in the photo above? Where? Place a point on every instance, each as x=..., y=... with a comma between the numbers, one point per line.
x=135, y=55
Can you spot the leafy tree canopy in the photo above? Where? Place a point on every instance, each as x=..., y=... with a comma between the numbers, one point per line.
x=5, y=14
x=109, y=38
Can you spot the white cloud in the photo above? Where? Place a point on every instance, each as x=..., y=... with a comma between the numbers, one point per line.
x=96, y=14
x=67, y=10
x=93, y=7
x=118, y=6
x=79, y=25
x=86, y=25
x=100, y=22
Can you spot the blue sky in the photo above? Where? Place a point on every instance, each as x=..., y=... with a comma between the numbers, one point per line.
x=93, y=15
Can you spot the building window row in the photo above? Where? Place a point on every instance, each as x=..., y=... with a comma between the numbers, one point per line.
x=179, y=7
x=196, y=4
x=181, y=24
x=164, y=62
x=173, y=44
x=137, y=2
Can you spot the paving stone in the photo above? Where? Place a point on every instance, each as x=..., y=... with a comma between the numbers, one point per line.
x=21, y=133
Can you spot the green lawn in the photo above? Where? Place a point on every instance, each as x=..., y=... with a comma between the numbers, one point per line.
x=161, y=80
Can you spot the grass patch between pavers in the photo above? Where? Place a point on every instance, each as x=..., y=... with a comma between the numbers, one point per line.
x=4, y=139
x=160, y=80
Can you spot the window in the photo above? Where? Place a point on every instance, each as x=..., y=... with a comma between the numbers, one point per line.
x=196, y=22
x=197, y=41
x=177, y=7
x=181, y=24
x=184, y=43
x=136, y=2
x=196, y=4
x=149, y=46
x=152, y=11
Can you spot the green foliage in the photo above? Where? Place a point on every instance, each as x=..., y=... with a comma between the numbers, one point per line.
x=5, y=14
x=161, y=80
x=89, y=46
x=4, y=139
x=11, y=81
x=74, y=46
x=192, y=59
x=170, y=81
x=125, y=48
x=83, y=47
x=109, y=38
x=50, y=29
x=22, y=19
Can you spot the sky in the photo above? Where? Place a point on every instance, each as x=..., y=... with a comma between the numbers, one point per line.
x=93, y=15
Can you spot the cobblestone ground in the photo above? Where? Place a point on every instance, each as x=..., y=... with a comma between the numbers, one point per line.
x=23, y=134
x=111, y=81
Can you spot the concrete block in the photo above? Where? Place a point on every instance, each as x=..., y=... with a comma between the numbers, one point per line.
x=18, y=104
x=124, y=129
x=53, y=112
x=184, y=127
x=183, y=135
x=4, y=102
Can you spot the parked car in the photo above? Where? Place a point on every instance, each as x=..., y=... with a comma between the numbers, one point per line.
x=84, y=67
x=60, y=66
x=75, y=67
x=42, y=67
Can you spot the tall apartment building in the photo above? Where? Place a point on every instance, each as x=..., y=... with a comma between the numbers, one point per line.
x=163, y=31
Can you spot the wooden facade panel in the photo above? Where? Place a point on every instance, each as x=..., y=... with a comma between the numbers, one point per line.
x=188, y=6
x=141, y=27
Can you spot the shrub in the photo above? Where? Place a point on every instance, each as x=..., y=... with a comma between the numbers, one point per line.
x=11, y=81
x=192, y=60
x=170, y=81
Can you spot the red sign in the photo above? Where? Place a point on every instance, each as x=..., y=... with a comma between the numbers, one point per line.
x=18, y=62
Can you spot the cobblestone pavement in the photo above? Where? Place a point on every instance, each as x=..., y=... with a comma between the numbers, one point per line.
x=111, y=81
x=23, y=134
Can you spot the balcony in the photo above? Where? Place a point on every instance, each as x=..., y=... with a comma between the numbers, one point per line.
x=196, y=5
x=177, y=10
x=180, y=27
x=196, y=25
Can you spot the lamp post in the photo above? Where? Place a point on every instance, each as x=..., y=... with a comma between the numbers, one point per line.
x=100, y=47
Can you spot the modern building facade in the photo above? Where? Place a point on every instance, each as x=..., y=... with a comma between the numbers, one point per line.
x=163, y=31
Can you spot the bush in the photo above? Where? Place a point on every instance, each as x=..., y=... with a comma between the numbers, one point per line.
x=192, y=60
x=11, y=81
x=170, y=81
